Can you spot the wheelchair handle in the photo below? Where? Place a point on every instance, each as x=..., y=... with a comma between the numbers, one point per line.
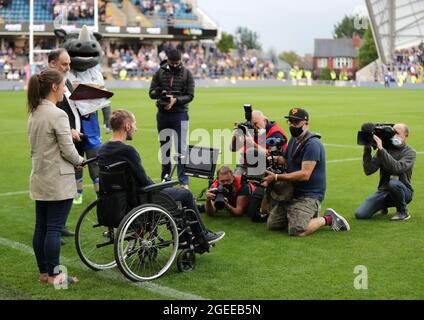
x=88, y=161
x=115, y=165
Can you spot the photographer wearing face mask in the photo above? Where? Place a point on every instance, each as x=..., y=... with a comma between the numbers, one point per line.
x=173, y=89
x=395, y=165
x=228, y=192
x=306, y=169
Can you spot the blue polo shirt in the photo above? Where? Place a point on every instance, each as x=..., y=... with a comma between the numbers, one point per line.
x=312, y=151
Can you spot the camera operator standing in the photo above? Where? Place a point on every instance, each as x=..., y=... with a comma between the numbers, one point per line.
x=305, y=161
x=173, y=88
x=395, y=164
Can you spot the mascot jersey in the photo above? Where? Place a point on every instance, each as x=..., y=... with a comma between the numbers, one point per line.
x=90, y=121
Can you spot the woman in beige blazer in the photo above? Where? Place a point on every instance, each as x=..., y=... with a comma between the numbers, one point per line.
x=52, y=181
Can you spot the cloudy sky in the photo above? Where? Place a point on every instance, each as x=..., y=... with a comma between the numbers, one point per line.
x=282, y=24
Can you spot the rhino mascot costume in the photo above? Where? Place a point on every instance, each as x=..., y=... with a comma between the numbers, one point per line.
x=85, y=52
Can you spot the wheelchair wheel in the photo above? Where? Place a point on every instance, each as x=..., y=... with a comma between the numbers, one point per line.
x=94, y=243
x=146, y=243
x=186, y=261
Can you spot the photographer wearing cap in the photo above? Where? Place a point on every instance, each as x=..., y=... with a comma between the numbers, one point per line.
x=228, y=192
x=305, y=161
x=395, y=164
x=173, y=89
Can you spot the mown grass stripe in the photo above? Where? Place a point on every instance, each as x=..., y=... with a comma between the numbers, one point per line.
x=110, y=275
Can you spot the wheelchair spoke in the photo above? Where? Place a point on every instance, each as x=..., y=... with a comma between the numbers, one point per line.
x=155, y=243
x=94, y=244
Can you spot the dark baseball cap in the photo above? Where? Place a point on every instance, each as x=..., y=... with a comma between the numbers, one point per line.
x=174, y=55
x=298, y=114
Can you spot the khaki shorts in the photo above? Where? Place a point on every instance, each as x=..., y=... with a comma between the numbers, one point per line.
x=294, y=215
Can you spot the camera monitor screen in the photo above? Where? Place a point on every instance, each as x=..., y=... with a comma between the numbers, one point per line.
x=201, y=162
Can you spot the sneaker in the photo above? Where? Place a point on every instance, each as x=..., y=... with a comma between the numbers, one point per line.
x=384, y=212
x=260, y=218
x=67, y=233
x=185, y=186
x=339, y=223
x=107, y=129
x=213, y=237
x=401, y=216
x=78, y=199
x=62, y=242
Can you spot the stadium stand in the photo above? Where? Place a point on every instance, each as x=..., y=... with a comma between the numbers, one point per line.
x=81, y=11
x=409, y=59
x=407, y=65
x=204, y=60
x=177, y=13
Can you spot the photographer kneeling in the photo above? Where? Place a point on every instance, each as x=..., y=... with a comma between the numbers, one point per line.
x=228, y=192
x=305, y=161
x=395, y=163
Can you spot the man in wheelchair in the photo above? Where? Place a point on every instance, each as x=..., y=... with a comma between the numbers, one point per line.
x=123, y=124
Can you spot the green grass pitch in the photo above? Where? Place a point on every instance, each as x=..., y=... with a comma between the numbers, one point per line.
x=250, y=263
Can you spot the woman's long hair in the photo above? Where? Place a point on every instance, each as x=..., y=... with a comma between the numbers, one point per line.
x=40, y=86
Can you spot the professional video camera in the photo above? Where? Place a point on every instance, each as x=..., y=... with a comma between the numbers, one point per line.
x=248, y=125
x=384, y=131
x=275, y=146
x=165, y=97
x=221, y=192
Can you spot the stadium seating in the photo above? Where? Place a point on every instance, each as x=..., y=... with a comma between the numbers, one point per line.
x=18, y=11
x=182, y=19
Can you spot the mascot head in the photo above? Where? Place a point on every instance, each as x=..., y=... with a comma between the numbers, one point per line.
x=83, y=47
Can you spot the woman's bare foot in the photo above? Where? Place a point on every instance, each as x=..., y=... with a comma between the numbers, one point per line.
x=43, y=277
x=61, y=279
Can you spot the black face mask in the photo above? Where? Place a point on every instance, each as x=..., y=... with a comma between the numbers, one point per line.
x=296, y=132
x=175, y=68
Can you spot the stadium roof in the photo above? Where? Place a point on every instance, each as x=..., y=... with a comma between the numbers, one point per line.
x=396, y=24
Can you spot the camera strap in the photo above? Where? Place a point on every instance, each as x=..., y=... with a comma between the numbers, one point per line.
x=171, y=83
x=302, y=145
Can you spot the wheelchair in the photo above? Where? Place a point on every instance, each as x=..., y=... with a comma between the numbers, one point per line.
x=141, y=231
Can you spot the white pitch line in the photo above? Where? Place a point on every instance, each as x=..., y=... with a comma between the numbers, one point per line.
x=18, y=193
x=344, y=160
x=110, y=275
x=12, y=132
x=342, y=146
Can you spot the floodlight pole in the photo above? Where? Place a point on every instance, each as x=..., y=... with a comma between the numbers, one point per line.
x=31, y=34
x=96, y=15
x=392, y=29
